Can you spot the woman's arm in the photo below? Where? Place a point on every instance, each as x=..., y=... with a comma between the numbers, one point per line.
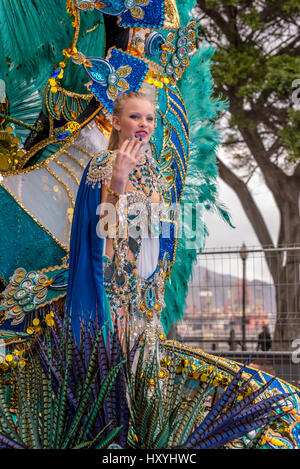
x=127, y=158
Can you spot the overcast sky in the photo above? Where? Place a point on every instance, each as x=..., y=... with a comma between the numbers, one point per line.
x=222, y=236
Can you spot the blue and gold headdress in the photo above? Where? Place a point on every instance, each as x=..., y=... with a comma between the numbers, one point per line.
x=117, y=74
x=171, y=49
x=159, y=57
x=133, y=13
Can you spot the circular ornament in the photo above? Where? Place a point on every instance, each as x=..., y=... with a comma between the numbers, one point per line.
x=25, y=286
x=37, y=288
x=32, y=275
x=25, y=301
x=182, y=52
x=175, y=61
x=20, y=271
x=11, y=292
x=10, y=302
x=169, y=69
x=181, y=41
x=29, y=307
x=129, y=3
x=40, y=296
x=113, y=78
x=42, y=279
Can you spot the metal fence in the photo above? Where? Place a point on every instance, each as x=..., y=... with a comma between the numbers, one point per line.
x=245, y=301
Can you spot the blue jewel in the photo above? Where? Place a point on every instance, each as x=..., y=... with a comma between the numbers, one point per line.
x=56, y=73
x=63, y=135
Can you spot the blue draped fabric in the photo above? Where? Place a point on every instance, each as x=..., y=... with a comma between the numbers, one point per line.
x=85, y=294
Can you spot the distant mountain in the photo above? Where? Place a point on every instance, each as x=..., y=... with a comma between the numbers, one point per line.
x=228, y=289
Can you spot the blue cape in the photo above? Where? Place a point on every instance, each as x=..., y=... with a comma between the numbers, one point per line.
x=86, y=299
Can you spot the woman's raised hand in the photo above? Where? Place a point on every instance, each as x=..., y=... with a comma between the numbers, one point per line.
x=127, y=158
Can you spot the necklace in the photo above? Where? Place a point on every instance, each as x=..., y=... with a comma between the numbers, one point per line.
x=142, y=178
x=147, y=176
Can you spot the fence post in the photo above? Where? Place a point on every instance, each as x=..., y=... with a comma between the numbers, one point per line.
x=244, y=255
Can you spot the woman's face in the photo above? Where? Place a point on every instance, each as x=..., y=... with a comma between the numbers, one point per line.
x=137, y=118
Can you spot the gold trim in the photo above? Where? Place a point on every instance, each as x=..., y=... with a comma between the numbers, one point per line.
x=179, y=163
x=83, y=150
x=52, y=268
x=15, y=340
x=72, y=94
x=72, y=157
x=51, y=126
x=76, y=27
x=187, y=154
x=65, y=105
x=68, y=170
x=268, y=374
x=182, y=164
x=172, y=18
x=176, y=91
x=180, y=120
x=219, y=362
x=42, y=163
x=50, y=301
x=37, y=147
x=92, y=116
x=62, y=183
x=34, y=218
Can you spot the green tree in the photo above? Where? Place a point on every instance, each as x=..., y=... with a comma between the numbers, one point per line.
x=257, y=67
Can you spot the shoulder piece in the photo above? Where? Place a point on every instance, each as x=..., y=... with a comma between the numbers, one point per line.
x=101, y=167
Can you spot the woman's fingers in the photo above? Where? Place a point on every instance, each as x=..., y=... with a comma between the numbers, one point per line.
x=134, y=142
x=127, y=145
x=131, y=148
x=138, y=145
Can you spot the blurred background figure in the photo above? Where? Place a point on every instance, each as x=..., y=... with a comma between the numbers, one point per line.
x=264, y=341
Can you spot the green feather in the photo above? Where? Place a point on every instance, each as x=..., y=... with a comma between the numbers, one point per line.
x=33, y=35
x=105, y=389
x=109, y=439
x=7, y=424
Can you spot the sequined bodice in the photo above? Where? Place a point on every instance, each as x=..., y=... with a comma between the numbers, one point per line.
x=137, y=299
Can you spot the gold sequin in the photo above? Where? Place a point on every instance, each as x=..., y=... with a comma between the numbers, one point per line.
x=172, y=19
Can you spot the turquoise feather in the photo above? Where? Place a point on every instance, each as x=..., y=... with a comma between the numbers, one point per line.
x=196, y=86
x=33, y=36
x=32, y=46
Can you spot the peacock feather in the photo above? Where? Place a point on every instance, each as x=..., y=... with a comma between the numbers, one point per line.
x=164, y=414
x=99, y=392
x=62, y=392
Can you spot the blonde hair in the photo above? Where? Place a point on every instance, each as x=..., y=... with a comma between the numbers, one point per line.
x=119, y=103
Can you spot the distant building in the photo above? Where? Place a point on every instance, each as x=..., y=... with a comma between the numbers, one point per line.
x=238, y=292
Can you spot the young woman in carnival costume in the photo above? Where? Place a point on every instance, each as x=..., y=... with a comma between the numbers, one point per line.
x=117, y=246
x=122, y=241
